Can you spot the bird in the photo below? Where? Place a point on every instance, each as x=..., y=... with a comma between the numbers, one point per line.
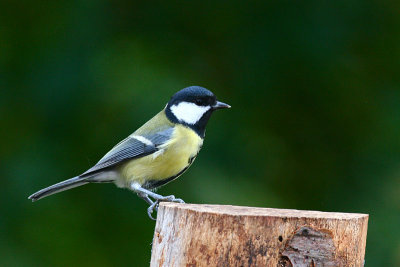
x=155, y=154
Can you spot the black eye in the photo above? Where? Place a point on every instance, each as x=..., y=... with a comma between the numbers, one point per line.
x=199, y=101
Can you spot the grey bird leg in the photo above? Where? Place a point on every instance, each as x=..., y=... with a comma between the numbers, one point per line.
x=146, y=198
x=145, y=194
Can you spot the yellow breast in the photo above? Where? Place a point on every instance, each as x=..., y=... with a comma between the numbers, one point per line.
x=171, y=159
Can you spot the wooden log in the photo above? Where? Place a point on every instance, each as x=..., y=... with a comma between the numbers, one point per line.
x=218, y=235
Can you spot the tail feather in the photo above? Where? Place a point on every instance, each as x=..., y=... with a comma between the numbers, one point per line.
x=59, y=187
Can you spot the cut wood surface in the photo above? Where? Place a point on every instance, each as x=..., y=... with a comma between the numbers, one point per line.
x=221, y=235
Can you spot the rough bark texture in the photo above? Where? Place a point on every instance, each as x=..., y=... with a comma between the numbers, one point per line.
x=216, y=235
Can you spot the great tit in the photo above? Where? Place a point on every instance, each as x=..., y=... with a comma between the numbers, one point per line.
x=156, y=153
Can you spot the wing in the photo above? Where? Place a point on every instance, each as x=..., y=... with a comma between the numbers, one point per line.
x=134, y=146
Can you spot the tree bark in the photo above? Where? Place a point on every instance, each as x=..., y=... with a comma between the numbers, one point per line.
x=217, y=235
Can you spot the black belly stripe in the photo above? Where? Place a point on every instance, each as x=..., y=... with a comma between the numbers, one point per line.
x=151, y=184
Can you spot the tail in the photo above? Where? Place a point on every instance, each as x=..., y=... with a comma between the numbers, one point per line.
x=56, y=188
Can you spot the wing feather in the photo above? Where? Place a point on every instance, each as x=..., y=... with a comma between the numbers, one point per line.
x=130, y=148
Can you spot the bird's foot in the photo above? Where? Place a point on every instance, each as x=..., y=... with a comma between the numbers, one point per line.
x=146, y=195
x=150, y=209
x=170, y=198
x=154, y=205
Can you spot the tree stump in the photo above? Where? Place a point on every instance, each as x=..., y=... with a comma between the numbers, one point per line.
x=218, y=235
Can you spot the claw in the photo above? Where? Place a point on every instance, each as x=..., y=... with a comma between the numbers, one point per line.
x=152, y=207
x=172, y=198
x=168, y=198
x=178, y=200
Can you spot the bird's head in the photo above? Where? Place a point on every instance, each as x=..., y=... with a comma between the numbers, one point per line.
x=192, y=107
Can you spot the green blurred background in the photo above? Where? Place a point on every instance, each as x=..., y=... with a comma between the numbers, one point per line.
x=314, y=124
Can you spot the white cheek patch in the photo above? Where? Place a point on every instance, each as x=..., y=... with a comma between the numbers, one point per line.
x=189, y=112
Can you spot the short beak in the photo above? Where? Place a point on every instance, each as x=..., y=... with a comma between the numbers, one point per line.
x=220, y=105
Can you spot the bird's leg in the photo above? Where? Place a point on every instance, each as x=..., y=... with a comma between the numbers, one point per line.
x=145, y=194
x=141, y=192
x=146, y=198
